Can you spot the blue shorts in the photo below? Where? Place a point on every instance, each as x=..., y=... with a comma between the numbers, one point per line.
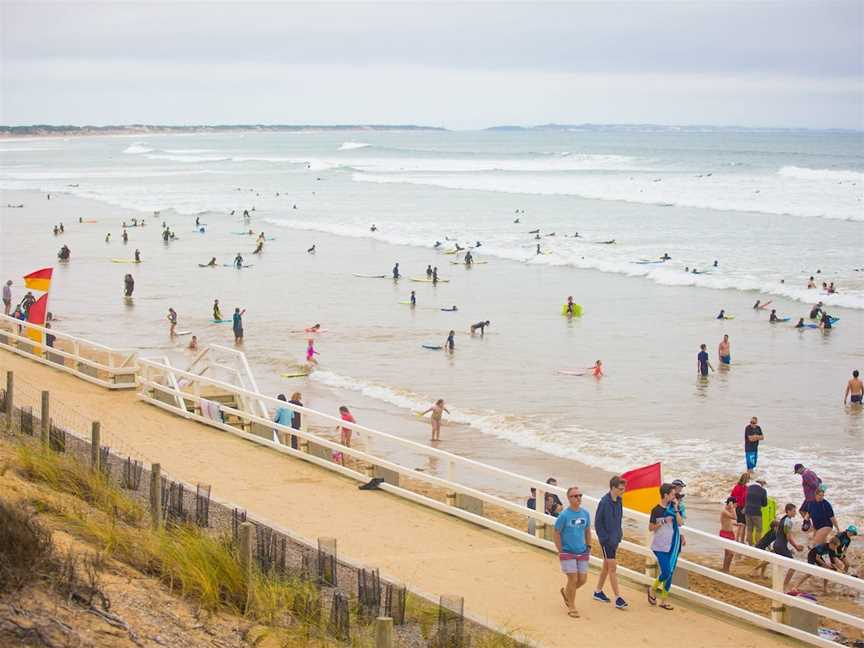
x=750, y=458
x=856, y=398
x=727, y=359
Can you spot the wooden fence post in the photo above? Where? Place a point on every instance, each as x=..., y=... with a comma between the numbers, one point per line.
x=95, y=445
x=156, y=495
x=46, y=418
x=10, y=390
x=246, y=547
x=383, y=632
x=778, y=574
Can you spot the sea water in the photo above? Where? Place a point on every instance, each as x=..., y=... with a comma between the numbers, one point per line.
x=772, y=208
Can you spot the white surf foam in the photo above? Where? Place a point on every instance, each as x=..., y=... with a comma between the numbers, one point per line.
x=137, y=147
x=699, y=464
x=350, y=146
x=833, y=175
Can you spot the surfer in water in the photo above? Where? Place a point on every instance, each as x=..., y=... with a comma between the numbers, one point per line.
x=437, y=244
x=435, y=276
x=437, y=410
x=429, y=271
x=570, y=306
x=816, y=311
x=396, y=274
x=258, y=247
x=597, y=369
x=773, y=317
x=760, y=306
x=217, y=312
x=665, y=257
x=479, y=326
x=212, y=262
x=129, y=285
x=311, y=250
x=172, y=318
x=452, y=309
x=137, y=255
x=722, y=314
x=413, y=299
x=854, y=389
x=238, y=261
x=311, y=352
x=538, y=249
x=373, y=228
x=800, y=323
x=469, y=259
x=450, y=343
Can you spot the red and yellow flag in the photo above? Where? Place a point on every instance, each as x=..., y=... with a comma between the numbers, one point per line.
x=39, y=280
x=643, y=488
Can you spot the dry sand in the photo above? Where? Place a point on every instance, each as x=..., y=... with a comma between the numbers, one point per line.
x=504, y=582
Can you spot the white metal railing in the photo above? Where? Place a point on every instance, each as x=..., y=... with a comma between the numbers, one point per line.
x=118, y=370
x=779, y=564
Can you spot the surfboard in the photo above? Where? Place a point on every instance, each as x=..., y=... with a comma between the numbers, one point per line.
x=231, y=265
x=570, y=372
x=425, y=280
x=449, y=310
x=125, y=261
x=89, y=221
x=811, y=326
x=222, y=321
x=647, y=261
x=299, y=374
x=452, y=251
x=408, y=303
x=207, y=265
x=577, y=310
x=244, y=233
x=728, y=317
x=182, y=332
x=368, y=276
x=432, y=347
x=465, y=264
x=781, y=319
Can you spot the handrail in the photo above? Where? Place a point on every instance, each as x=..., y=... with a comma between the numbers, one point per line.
x=728, y=579
x=723, y=543
x=19, y=344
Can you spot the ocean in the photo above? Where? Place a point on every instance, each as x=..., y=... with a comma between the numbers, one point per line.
x=772, y=208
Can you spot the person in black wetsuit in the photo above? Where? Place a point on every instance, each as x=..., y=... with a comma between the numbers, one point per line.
x=429, y=271
x=469, y=259
x=413, y=299
x=800, y=323
x=238, y=261
x=396, y=274
x=450, y=343
x=129, y=284
x=816, y=311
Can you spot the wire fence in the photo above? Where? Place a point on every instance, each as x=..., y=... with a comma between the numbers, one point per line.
x=345, y=598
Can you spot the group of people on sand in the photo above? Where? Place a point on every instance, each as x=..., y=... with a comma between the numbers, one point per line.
x=742, y=520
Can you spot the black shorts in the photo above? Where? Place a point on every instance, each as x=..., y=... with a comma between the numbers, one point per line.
x=739, y=515
x=609, y=549
x=783, y=551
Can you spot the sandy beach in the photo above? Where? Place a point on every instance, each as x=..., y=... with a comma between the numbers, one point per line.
x=504, y=582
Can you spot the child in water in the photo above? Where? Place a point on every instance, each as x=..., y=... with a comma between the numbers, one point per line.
x=311, y=352
x=437, y=410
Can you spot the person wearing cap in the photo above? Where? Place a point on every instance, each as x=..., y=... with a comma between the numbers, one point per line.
x=728, y=525
x=809, y=483
x=844, y=539
x=679, y=497
x=756, y=498
x=821, y=516
x=752, y=437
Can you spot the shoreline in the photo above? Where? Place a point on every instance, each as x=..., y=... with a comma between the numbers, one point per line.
x=466, y=440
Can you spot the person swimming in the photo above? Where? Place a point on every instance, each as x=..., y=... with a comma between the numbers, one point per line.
x=373, y=228
x=536, y=231
x=715, y=263
x=800, y=323
x=452, y=309
x=722, y=314
x=311, y=250
x=212, y=262
x=773, y=317
x=258, y=247
x=760, y=306
x=665, y=257
x=437, y=244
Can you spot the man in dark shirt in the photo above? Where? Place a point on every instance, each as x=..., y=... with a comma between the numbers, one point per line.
x=752, y=437
x=757, y=497
x=702, y=362
x=821, y=516
x=607, y=525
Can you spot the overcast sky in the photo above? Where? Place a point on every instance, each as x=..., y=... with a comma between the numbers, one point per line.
x=457, y=65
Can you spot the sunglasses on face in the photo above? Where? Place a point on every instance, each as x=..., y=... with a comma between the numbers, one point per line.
x=579, y=495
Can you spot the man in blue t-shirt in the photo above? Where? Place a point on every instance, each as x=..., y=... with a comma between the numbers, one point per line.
x=702, y=362
x=573, y=541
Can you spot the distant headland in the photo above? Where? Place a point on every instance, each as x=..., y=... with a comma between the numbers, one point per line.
x=43, y=130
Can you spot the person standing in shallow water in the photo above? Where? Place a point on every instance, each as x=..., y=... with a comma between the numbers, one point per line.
x=238, y=325
x=724, y=352
x=437, y=410
x=702, y=362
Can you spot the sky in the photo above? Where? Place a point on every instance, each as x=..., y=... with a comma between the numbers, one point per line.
x=458, y=65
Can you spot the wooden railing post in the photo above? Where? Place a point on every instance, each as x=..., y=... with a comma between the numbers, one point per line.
x=156, y=495
x=46, y=418
x=778, y=574
x=95, y=445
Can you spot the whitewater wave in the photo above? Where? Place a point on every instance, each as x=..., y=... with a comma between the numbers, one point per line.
x=564, y=252
x=772, y=194
x=833, y=175
x=188, y=158
x=137, y=147
x=350, y=146
x=617, y=451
